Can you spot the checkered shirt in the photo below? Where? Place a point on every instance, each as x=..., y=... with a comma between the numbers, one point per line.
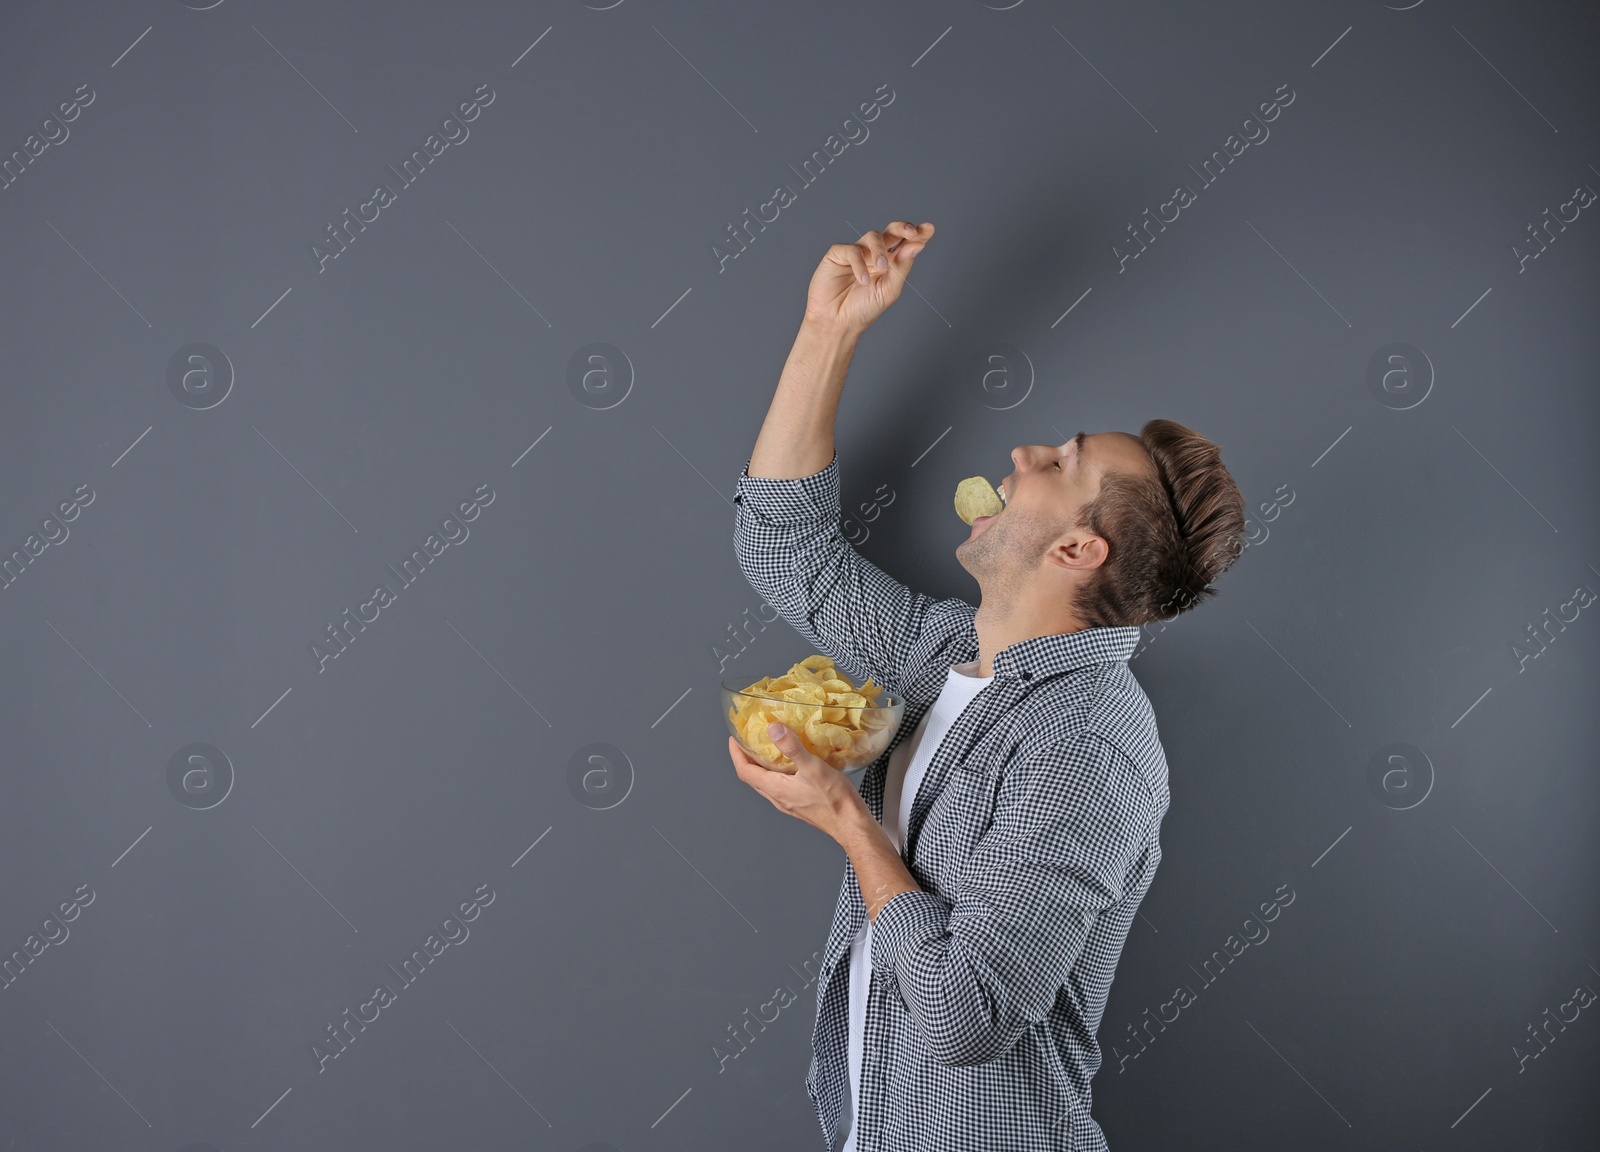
x=1034, y=837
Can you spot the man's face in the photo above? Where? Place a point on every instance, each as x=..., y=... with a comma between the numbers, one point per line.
x=1043, y=495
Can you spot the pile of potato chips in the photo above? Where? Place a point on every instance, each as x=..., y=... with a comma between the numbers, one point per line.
x=840, y=731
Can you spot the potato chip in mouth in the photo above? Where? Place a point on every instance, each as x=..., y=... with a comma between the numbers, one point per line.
x=976, y=497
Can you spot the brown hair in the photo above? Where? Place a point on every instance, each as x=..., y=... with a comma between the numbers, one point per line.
x=1170, y=535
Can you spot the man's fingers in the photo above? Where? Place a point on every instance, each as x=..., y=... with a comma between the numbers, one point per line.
x=876, y=248
x=880, y=259
x=851, y=254
x=741, y=762
x=897, y=245
x=900, y=232
x=910, y=240
x=748, y=768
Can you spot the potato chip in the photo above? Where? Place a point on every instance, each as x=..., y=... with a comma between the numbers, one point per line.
x=976, y=497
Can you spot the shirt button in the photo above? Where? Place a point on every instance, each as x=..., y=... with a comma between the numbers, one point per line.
x=1027, y=675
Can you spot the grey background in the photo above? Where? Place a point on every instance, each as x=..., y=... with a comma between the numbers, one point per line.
x=1400, y=551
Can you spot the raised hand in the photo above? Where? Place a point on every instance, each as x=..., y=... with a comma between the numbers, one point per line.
x=856, y=282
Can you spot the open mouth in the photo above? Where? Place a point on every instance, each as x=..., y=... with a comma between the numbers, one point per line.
x=1004, y=504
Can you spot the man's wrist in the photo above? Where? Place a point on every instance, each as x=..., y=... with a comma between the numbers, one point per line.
x=855, y=826
x=829, y=329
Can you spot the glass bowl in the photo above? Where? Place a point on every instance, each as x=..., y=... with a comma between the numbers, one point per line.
x=848, y=738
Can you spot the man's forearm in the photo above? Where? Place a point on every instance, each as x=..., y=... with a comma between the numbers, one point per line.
x=797, y=438
x=881, y=873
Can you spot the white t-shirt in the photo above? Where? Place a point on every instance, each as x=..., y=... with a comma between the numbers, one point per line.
x=907, y=765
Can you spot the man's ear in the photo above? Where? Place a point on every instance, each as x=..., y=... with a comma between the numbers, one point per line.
x=1078, y=549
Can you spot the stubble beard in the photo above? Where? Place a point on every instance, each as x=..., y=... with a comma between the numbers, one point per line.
x=1004, y=556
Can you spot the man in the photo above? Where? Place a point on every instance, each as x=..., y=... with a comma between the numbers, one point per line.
x=1000, y=847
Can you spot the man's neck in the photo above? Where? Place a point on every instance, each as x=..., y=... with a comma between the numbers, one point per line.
x=997, y=631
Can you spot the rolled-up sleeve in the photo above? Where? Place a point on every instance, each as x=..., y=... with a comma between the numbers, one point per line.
x=1070, y=829
x=790, y=546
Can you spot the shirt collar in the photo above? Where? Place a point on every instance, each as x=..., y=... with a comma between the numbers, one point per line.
x=1040, y=656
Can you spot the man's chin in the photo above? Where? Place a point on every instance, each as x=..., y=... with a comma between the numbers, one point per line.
x=966, y=554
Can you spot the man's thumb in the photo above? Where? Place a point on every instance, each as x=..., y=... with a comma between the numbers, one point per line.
x=786, y=742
